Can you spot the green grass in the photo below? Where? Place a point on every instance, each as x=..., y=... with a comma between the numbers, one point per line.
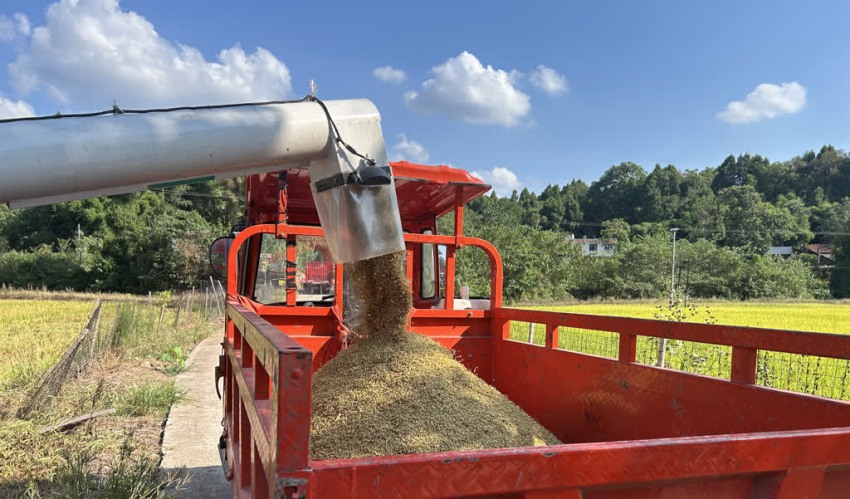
x=132, y=477
x=151, y=398
x=806, y=374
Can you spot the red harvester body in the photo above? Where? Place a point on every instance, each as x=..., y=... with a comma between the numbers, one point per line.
x=629, y=430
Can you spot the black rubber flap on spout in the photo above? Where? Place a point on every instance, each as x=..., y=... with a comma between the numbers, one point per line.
x=368, y=176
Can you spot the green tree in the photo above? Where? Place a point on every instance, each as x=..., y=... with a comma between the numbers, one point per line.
x=737, y=172
x=661, y=194
x=706, y=270
x=644, y=269
x=46, y=225
x=572, y=195
x=839, y=226
x=530, y=207
x=552, y=208
x=616, y=194
x=775, y=179
x=748, y=222
x=616, y=229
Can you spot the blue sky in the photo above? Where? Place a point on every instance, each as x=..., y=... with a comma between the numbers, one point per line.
x=649, y=82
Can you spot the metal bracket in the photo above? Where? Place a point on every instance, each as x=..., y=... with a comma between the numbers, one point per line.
x=219, y=373
x=341, y=179
x=291, y=487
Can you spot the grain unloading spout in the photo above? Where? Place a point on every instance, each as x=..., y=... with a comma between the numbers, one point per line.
x=54, y=159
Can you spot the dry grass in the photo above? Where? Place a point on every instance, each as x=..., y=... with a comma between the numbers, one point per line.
x=132, y=374
x=10, y=293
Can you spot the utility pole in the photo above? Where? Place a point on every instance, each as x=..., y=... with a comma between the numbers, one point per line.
x=662, y=342
x=673, y=267
x=79, y=244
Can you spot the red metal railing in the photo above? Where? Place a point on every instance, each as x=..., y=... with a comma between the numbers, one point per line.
x=268, y=409
x=744, y=341
x=267, y=406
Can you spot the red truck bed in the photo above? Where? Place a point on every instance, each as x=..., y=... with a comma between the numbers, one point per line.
x=629, y=430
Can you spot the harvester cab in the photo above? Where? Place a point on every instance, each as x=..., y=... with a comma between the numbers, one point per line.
x=290, y=266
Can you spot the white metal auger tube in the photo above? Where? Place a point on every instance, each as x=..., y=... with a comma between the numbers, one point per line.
x=46, y=161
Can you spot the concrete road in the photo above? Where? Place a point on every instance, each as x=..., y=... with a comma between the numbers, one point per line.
x=194, y=427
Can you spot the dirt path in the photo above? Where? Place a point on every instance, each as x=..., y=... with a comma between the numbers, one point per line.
x=194, y=426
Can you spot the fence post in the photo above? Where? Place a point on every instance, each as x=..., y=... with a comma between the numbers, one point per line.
x=215, y=297
x=744, y=365
x=551, y=335
x=628, y=348
x=177, y=315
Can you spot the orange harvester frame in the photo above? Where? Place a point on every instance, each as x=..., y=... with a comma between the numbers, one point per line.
x=630, y=430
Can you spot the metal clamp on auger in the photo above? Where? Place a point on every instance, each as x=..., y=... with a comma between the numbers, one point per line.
x=364, y=176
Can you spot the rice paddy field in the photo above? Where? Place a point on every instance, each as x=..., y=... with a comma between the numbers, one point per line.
x=125, y=363
x=821, y=317
x=35, y=334
x=806, y=374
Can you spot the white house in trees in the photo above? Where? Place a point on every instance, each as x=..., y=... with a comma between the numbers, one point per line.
x=595, y=247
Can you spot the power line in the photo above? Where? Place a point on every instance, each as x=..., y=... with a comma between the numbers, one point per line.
x=197, y=194
x=713, y=229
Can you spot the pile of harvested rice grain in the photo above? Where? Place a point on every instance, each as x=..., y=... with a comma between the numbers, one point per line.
x=401, y=393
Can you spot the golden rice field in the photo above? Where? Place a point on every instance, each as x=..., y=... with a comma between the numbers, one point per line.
x=35, y=334
x=807, y=374
x=821, y=317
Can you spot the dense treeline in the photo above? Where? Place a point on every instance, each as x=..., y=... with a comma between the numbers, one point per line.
x=728, y=217
x=134, y=243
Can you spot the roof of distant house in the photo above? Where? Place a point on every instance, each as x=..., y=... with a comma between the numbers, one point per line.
x=817, y=249
x=593, y=241
x=780, y=250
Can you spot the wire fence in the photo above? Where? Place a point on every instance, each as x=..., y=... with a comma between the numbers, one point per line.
x=71, y=364
x=809, y=374
x=116, y=324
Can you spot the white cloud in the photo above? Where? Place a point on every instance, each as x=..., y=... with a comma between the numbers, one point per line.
x=91, y=52
x=409, y=150
x=22, y=24
x=12, y=27
x=500, y=178
x=389, y=74
x=14, y=108
x=549, y=80
x=465, y=89
x=7, y=28
x=766, y=101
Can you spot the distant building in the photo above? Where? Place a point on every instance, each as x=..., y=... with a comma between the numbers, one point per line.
x=781, y=250
x=822, y=251
x=595, y=247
